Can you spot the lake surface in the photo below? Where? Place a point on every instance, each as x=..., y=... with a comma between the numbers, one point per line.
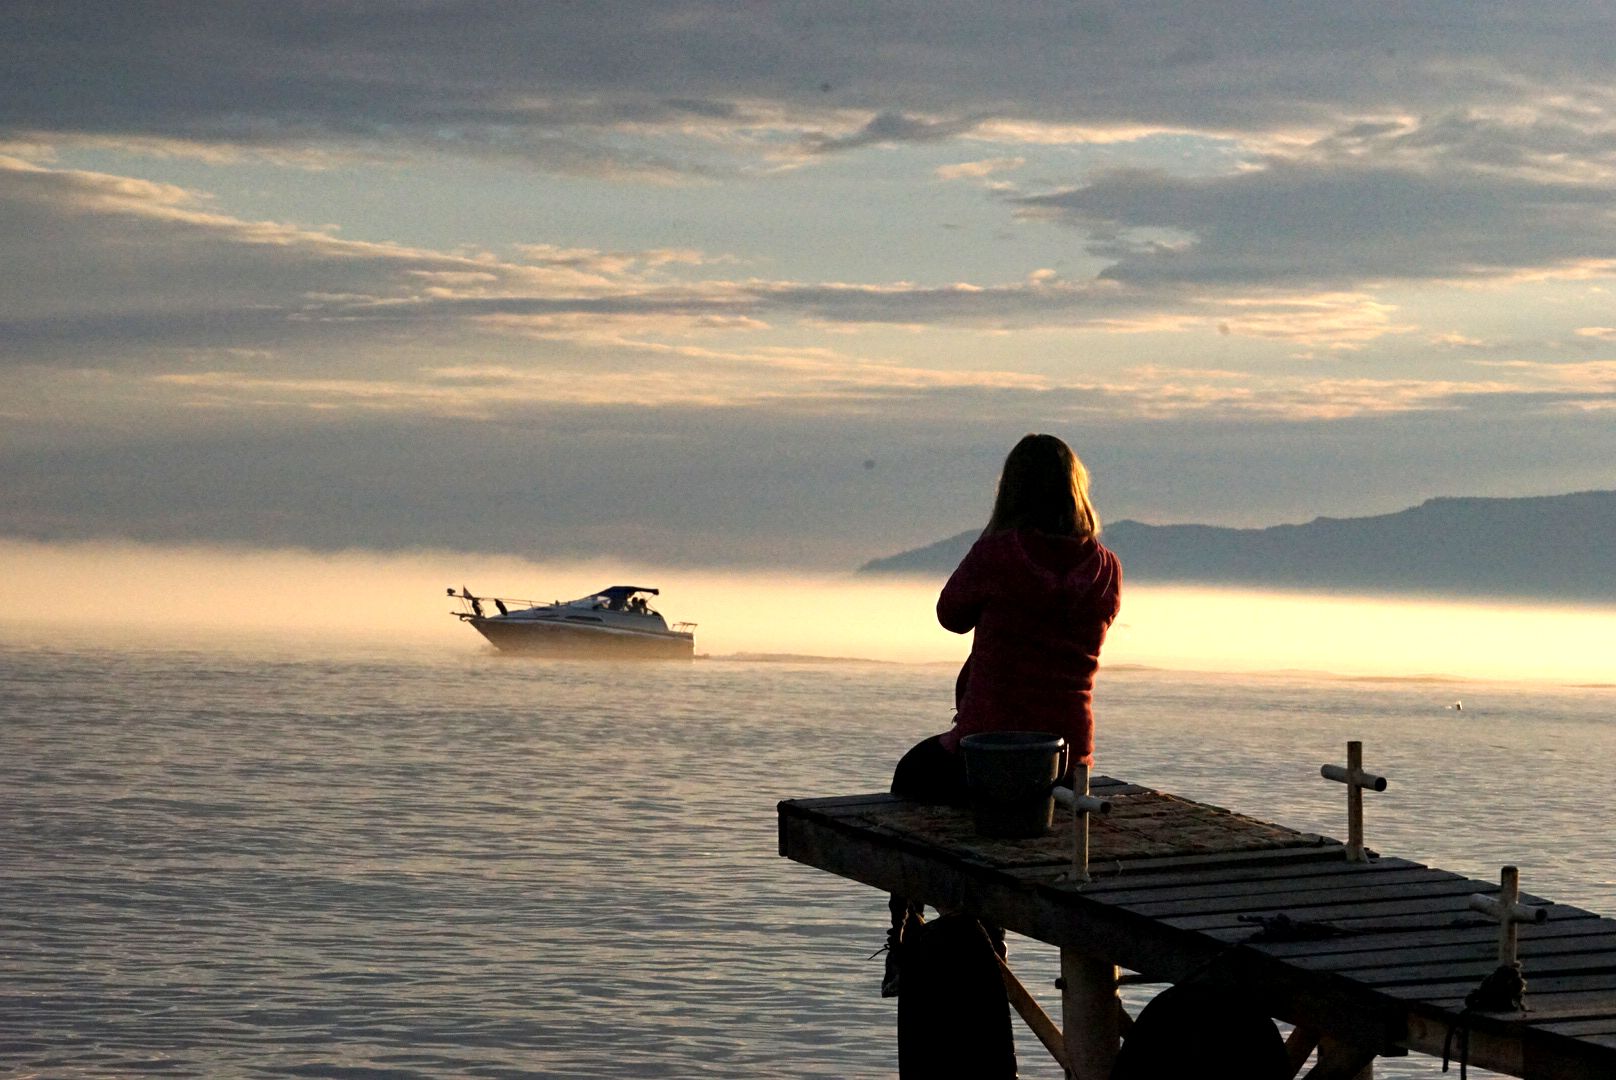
x=295, y=858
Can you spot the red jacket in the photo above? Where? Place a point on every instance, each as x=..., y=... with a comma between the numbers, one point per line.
x=1040, y=606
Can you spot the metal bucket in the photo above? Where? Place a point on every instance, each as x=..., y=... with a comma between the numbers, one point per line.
x=1011, y=776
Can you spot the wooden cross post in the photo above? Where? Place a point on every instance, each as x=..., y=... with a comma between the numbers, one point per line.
x=1507, y=908
x=1082, y=804
x=1356, y=780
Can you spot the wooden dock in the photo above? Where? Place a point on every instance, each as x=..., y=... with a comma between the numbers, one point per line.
x=1368, y=958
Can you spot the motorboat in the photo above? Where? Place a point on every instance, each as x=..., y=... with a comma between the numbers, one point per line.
x=616, y=621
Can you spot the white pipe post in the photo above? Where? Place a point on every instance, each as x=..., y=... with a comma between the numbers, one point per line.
x=1507, y=908
x=1080, y=826
x=1091, y=1014
x=1356, y=780
x=1082, y=804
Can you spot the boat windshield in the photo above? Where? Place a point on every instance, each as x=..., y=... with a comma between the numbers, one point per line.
x=629, y=598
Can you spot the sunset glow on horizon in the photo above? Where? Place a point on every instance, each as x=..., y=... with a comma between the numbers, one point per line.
x=133, y=595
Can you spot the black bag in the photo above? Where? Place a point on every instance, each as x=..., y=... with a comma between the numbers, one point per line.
x=1197, y=1028
x=953, y=1015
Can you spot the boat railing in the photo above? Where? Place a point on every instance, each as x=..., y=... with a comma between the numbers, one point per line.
x=472, y=606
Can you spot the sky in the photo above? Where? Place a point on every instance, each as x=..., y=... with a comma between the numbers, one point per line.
x=777, y=285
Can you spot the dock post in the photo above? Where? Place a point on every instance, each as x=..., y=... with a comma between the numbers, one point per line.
x=1080, y=826
x=1356, y=780
x=1343, y=1061
x=1082, y=804
x=1090, y=1013
x=1355, y=849
x=1509, y=911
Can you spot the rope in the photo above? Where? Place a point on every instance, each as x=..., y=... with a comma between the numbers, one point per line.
x=1501, y=991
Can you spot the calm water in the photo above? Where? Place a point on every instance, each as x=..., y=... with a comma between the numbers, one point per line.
x=301, y=860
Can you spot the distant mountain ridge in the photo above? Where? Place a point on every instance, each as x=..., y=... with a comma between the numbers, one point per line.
x=1560, y=547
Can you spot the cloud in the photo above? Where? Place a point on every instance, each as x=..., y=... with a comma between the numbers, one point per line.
x=118, y=265
x=890, y=129
x=978, y=170
x=1323, y=225
x=1419, y=147
x=117, y=259
x=755, y=483
x=1588, y=377
x=599, y=88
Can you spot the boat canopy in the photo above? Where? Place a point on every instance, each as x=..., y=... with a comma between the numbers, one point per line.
x=623, y=592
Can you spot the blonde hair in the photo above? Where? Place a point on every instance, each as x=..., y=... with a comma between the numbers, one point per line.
x=1044, y=486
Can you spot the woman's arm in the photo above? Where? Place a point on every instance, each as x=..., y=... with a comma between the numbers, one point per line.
x=960, y=603
x=1113, y=597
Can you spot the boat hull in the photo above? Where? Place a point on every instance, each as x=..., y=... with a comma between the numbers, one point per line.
x=545, y=638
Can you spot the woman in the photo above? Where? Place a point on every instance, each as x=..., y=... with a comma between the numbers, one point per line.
x=1040, y=591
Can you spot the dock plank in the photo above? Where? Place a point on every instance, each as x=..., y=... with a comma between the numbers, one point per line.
x=1580, y=924
x=1447, y=948
x=1455, y=988
x=1541, y=971
x=1432, y=913
x=1254, y=881
x=1409, y=886
x=1604, y=1025
x=1355, y=932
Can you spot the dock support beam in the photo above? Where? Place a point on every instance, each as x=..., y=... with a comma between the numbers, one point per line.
x=1037, y=1020
x=1340, y=1060
x=1090, y=1014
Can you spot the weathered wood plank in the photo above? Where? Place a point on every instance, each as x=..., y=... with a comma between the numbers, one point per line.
x=829, y=805
x=1570, y=924
x=1106, y=874
x=1147, y=825
x=1300, y=901
x=1110, y=870
x=1429, y=913
x=833, y=803
x=1604, y=1025
x=1543, y=1008
x=1453, y=1008
x=1440, y=991
x=1255, y=880
x=1398, y=914
x=1537, y=973
x=1109, y=786
x=1479, y=946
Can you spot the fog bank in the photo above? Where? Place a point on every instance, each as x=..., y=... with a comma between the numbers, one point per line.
x=137, y=593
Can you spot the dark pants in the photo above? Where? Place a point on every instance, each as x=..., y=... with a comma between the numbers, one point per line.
x=929, y=773
x=953, y=1015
